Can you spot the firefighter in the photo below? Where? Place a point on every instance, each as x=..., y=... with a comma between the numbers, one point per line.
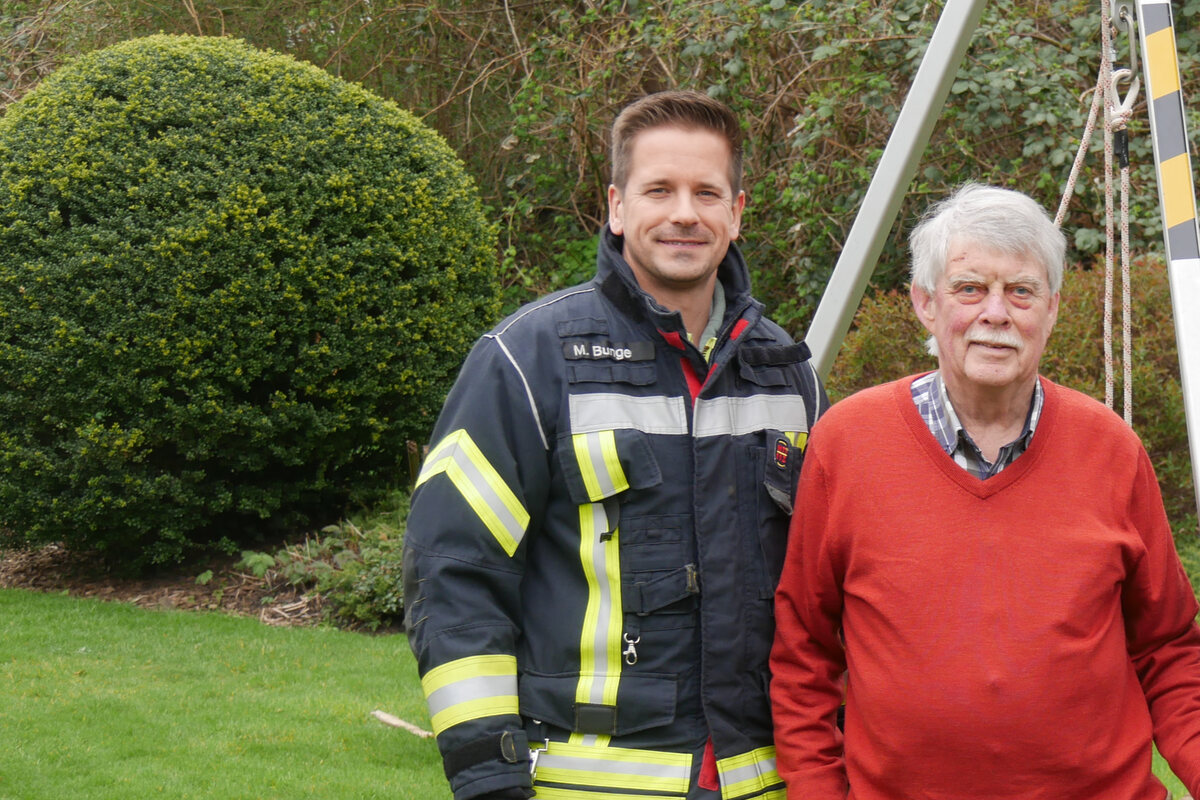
x=599, y=525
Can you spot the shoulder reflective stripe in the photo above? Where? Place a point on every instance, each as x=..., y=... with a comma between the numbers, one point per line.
x=556, y=793
x=608, y=411
x=600, y=634
x=537, y=418
x=748, y=773
x=734, y=416
x=614, y=768
x=471, y=688
x=599, y=464
x=545, y=302
x=480, y=485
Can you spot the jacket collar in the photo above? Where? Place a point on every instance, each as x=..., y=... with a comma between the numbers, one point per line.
x=615, y=279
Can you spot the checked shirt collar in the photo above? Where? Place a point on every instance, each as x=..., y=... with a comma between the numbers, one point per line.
x=929, y=394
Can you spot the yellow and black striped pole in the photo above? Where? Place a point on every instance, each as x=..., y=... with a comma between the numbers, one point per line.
x=1177, y=199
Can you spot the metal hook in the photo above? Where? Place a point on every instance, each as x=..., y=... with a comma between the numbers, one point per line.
x=1124, y=19
x=630, y=652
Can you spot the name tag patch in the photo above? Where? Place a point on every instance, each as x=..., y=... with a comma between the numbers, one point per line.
x=609, y=351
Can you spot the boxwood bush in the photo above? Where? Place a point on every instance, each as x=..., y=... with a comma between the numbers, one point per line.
x=232, y=287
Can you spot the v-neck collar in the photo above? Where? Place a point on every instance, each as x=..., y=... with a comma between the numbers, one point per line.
x=902, y=396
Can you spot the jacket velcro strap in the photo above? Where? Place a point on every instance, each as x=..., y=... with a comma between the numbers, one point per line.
x=595, y=718
x=775, y=355
x=645, y=597
x=510, y=746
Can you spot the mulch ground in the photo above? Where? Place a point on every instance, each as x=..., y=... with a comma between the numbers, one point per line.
x=55, y=569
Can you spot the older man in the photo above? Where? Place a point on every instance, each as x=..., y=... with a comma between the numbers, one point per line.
x=980, y=565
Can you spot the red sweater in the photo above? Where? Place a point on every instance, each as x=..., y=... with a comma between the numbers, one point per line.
x=1019, y=637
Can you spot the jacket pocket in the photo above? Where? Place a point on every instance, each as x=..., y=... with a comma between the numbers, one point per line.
x=632, y=374
x=769, y=477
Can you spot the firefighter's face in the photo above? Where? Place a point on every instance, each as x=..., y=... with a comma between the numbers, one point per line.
x=677, y=211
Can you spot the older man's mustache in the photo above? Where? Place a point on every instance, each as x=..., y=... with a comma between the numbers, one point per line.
x=995, y=339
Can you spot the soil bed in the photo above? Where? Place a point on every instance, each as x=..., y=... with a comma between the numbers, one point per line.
x=55, y=569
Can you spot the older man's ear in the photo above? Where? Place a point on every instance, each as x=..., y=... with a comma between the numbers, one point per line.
x=922, y=303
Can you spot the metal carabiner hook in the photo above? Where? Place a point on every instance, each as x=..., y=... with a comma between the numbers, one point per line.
x=1124, y=19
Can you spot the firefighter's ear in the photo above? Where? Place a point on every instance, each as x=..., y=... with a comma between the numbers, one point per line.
x=616, y=221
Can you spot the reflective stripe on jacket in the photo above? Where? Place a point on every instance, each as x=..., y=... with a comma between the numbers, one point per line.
x=594, y=543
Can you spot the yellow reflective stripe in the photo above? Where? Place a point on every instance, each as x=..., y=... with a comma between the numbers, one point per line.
x=798, y=438
x=556, y=793
x=591, y=481
x=608, y=449
x=1176, y=187
x=600, y=634
x=1160, y=61
x=748, y=773
x=481, y=486
x=599, y=464
x=471, y=688
x=614, y=768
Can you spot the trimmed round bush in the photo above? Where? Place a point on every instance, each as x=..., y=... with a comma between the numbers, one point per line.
x=232, y=287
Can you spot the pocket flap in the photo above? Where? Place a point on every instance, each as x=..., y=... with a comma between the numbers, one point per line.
x=643, y=702
x=632, y=374
x=602, y=464
x=653, y=592
x=768, y=366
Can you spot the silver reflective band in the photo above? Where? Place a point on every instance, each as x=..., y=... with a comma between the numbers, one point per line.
x=612, y=766
x=470, y=689
x=735, y=416
x=600, y=603
x=610, y=412
x=481, y=486
x=755, y=771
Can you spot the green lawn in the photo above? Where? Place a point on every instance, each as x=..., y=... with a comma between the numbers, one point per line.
x=104, y=700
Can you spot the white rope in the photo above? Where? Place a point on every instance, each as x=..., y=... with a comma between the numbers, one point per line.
x=1116, y=118
x=1106, y=78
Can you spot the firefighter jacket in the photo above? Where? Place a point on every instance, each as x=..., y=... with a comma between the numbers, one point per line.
x=594, y=543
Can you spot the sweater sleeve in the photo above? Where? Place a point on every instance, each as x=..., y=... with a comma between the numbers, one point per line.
x=1163, y=639
x=807, y=659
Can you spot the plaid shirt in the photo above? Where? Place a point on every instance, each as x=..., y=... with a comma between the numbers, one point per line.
x=929, y=393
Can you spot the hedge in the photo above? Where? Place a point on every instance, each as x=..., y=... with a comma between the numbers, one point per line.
x=232, y=287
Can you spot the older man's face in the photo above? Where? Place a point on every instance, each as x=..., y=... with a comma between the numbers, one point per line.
x=992, y=315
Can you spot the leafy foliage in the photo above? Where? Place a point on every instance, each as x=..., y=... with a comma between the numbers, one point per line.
x=356, y=568
x=232, y=287
x=526, y=93
x=888, y=342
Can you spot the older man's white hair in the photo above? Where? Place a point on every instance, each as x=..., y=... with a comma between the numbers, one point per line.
x=997, y=219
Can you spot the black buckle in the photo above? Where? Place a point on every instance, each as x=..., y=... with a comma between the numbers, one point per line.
x=509, y=746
